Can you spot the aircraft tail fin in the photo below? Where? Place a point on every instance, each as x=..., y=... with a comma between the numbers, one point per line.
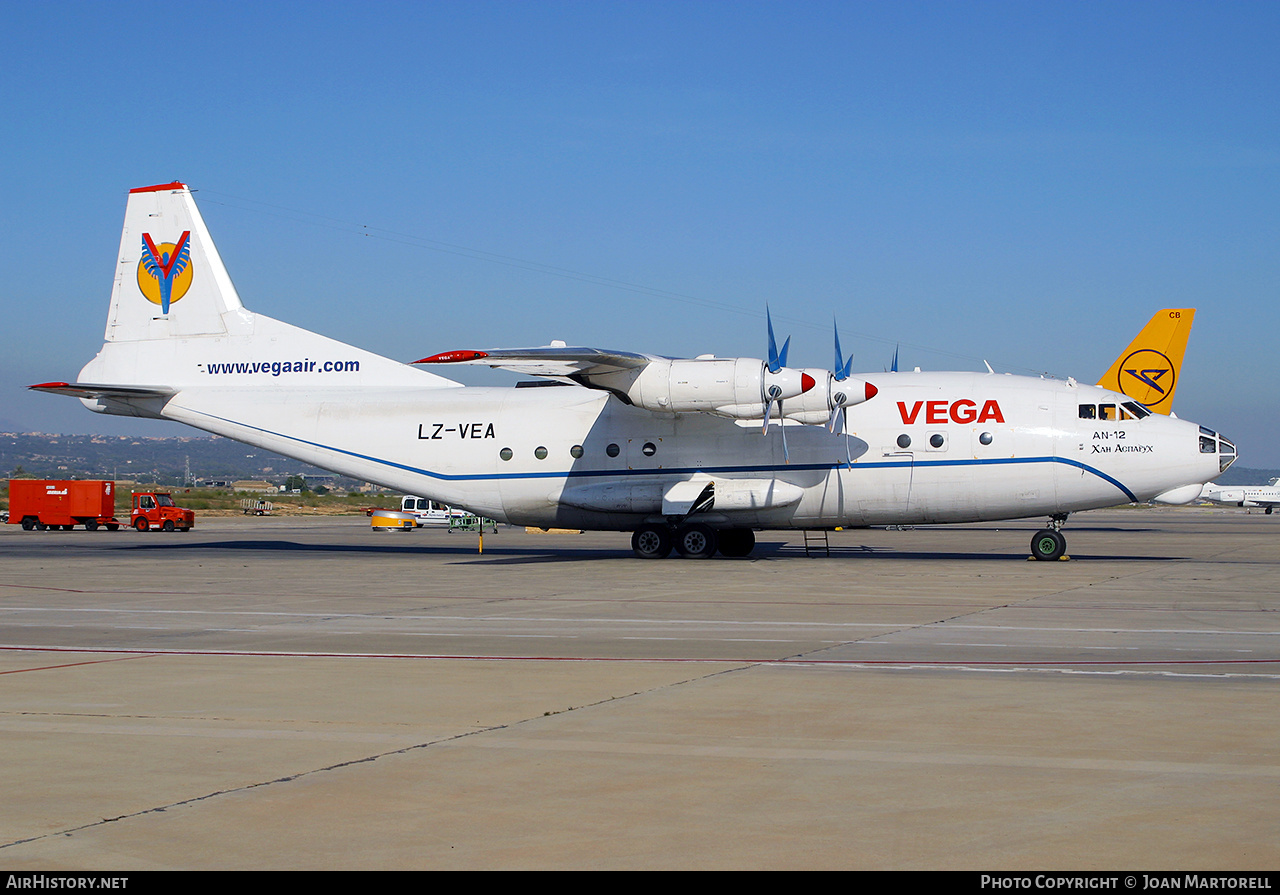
x=1148, y=369
x=176, y=320
x=168, y=258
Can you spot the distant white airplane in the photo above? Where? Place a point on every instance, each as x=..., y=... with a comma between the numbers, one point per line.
x=1267, y=496
x=696, y=454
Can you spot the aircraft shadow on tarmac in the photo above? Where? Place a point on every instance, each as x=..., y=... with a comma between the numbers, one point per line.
x=497, y=555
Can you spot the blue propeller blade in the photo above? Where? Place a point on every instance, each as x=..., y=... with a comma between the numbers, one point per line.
x=777, y=359
x=841, y=370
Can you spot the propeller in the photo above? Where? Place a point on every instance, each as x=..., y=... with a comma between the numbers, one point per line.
x=774, y=396
x=840, y=397
x=840, y=372
x=773, y=392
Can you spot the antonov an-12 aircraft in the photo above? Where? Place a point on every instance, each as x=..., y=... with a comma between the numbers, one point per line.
x=692, y=454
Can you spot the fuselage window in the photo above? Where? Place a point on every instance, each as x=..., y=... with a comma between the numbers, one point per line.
x=904, y=441
x=649, y=449
x=576, y=451
x=985, y=438
x=612, y=450
x=506, y=453
x=936, y=440
x=540, y=452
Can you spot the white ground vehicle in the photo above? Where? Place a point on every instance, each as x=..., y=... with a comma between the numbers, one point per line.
x=430, y=512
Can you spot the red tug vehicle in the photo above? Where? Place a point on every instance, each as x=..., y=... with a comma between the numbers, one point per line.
x=43, y=504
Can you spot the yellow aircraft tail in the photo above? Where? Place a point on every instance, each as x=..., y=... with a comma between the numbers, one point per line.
x=1148, y=369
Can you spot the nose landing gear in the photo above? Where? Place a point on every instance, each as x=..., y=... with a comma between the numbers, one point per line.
x=1050, y=544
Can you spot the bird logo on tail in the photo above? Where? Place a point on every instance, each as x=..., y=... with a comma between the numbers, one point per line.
x=164, y=273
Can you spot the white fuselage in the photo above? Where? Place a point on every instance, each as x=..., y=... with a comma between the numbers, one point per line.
x=981, y=447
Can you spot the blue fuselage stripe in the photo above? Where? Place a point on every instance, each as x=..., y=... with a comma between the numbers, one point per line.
x=771, y=468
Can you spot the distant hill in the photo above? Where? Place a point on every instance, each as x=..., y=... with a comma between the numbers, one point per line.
x=161, y=460
x=1243, y=475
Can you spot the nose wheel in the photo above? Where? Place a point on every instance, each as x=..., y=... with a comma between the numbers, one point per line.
x=1049, y=544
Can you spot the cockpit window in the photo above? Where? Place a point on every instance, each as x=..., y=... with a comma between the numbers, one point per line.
x=1208, y=445
x=1227, y=455
x=1129, y=410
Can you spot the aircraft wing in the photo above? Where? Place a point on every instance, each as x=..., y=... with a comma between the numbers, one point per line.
x=737, y=388
x=553, y=360
x=95, y=390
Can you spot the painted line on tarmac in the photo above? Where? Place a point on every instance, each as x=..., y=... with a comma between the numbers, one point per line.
x=1089, y=666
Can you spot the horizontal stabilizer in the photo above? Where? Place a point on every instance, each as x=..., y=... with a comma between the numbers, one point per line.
x=95, y=390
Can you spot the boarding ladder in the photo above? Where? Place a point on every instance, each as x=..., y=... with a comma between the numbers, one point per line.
x=815, y=540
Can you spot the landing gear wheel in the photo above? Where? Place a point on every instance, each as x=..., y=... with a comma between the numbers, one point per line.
x=736, y=542
x=651, y=542
x=696, y=541
x=140, y=523
x=1048, y=545
x=168, y=525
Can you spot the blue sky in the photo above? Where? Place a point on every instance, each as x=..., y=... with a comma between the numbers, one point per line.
x=1021, y=182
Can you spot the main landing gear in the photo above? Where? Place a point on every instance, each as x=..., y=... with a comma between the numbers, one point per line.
x=692, y=540
x=1050, y=544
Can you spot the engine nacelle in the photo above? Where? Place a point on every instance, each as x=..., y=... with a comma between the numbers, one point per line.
x=814, y=407
x=734, y=387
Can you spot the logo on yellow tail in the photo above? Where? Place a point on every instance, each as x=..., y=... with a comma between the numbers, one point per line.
x=1148, y=376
